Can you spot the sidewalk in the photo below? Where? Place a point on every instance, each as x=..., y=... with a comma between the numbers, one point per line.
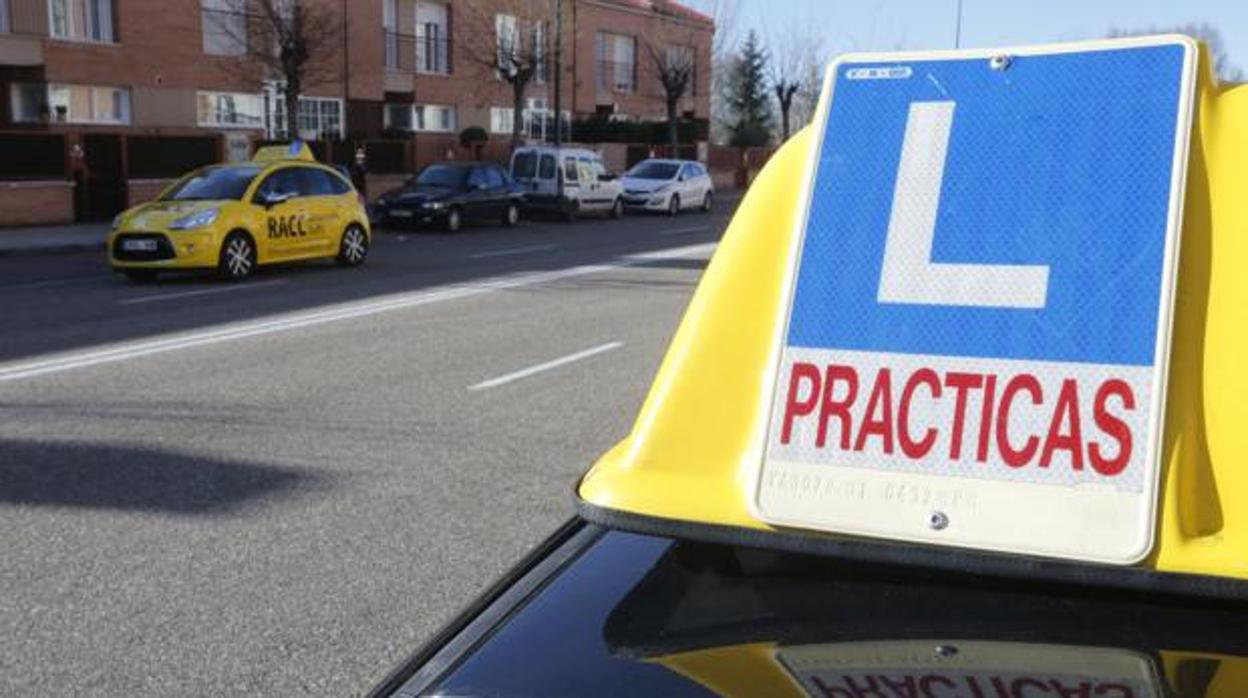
x=51, y=239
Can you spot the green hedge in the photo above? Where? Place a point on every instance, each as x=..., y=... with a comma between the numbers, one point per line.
x=602, y=130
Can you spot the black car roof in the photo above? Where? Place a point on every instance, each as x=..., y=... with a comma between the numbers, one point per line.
x=605, y=620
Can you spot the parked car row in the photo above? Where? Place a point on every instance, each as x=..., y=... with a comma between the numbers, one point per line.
x=566, y=182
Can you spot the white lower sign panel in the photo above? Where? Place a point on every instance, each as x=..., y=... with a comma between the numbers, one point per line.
x=979, y=317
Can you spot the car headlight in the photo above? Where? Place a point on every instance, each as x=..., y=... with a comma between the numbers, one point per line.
x=198, y=219
x=663, y=189
x=435, y=205
x=117, y=219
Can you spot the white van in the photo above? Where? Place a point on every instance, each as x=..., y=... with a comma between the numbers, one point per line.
x=587, y=185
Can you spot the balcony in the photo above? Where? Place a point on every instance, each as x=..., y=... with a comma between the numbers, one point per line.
x=617, y=76
x=417, y=53
x=23, y=26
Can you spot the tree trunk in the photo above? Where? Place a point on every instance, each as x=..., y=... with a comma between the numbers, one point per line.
x=291, y=95
x=673, y=131
x=517, y=112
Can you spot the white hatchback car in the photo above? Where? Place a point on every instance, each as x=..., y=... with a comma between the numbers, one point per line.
x=670, y=186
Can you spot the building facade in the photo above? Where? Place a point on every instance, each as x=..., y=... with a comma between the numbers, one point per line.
x=102, y=101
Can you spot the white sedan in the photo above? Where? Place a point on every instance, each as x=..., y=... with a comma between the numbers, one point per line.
x=669, y=186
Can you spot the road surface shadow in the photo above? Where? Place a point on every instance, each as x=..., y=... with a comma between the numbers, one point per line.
x=98, y=476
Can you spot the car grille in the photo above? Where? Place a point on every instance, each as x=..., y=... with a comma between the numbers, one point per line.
x=164, y=248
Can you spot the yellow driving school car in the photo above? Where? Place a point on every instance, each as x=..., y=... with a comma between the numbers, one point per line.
x=281, y=206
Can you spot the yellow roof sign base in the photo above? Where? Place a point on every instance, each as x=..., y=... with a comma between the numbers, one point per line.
x=690, y=463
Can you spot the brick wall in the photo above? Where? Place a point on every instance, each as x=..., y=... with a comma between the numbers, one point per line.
x=36, y=203
x=143, y=190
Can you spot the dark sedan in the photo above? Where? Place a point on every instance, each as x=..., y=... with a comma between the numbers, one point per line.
x=450, y=194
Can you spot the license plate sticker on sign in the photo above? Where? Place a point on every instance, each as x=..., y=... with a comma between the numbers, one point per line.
x=968, y=668
x=980, y=300
x=139, y=245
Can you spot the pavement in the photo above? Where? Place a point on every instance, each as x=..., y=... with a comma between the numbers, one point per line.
x=52, y=239
x=285, y=486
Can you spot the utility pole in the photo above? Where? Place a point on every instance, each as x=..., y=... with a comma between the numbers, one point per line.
x=957, y=31
x=558, y=95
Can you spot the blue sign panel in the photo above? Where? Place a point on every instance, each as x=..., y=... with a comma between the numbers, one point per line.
x=983, y=285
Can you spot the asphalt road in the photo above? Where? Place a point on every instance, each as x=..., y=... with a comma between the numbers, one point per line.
x=283, y=487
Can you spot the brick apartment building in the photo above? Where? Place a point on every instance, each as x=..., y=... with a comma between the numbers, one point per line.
x=102, y=101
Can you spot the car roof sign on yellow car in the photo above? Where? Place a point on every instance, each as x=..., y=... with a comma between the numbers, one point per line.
x=979, y=311
x=295, y=150
x=1042, y=195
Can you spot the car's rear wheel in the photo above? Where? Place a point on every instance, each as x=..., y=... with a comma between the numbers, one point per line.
x=353, y=248
x=708, y=202
x=617, y=209
x=238, y=257
x=511, y=216
x=140, y=276
x=673, y=205
x=571, y=210
x=454, y=220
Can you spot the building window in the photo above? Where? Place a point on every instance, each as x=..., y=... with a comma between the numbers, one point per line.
x=4, y=17
x=225, y=28
x=437, y=118
x=537, y=120
x=81, y=20
x=539, y=51
x=432, y=37
x=507, y=41
x=319, y=117
x=70, y=104
x=231, y=110
x=390, y=19
x=617, y=62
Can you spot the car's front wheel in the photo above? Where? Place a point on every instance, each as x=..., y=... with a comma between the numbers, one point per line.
x=238, y=257
x=511, y=216
x=673, y=205
x=708, y=202
x=353, y=248
x=454, y=220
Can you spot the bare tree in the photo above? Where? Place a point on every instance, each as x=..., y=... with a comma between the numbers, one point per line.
x=1223, y=68
x=295, y=42
x=723, y=65
x=673, y=55
x=794, y=69
x=514, y=48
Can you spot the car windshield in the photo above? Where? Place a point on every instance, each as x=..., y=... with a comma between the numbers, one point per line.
x=524, y=165
x=442, y=176
x=654, y=170
x=213, y=184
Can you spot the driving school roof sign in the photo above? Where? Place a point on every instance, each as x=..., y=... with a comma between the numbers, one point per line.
x=979, y=319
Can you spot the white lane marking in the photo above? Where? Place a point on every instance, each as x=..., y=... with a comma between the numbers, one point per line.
x=199, y=292
x=684, y=231
x=512, y=250
x=56, y=282
x=546, y=366
x=346, y=311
